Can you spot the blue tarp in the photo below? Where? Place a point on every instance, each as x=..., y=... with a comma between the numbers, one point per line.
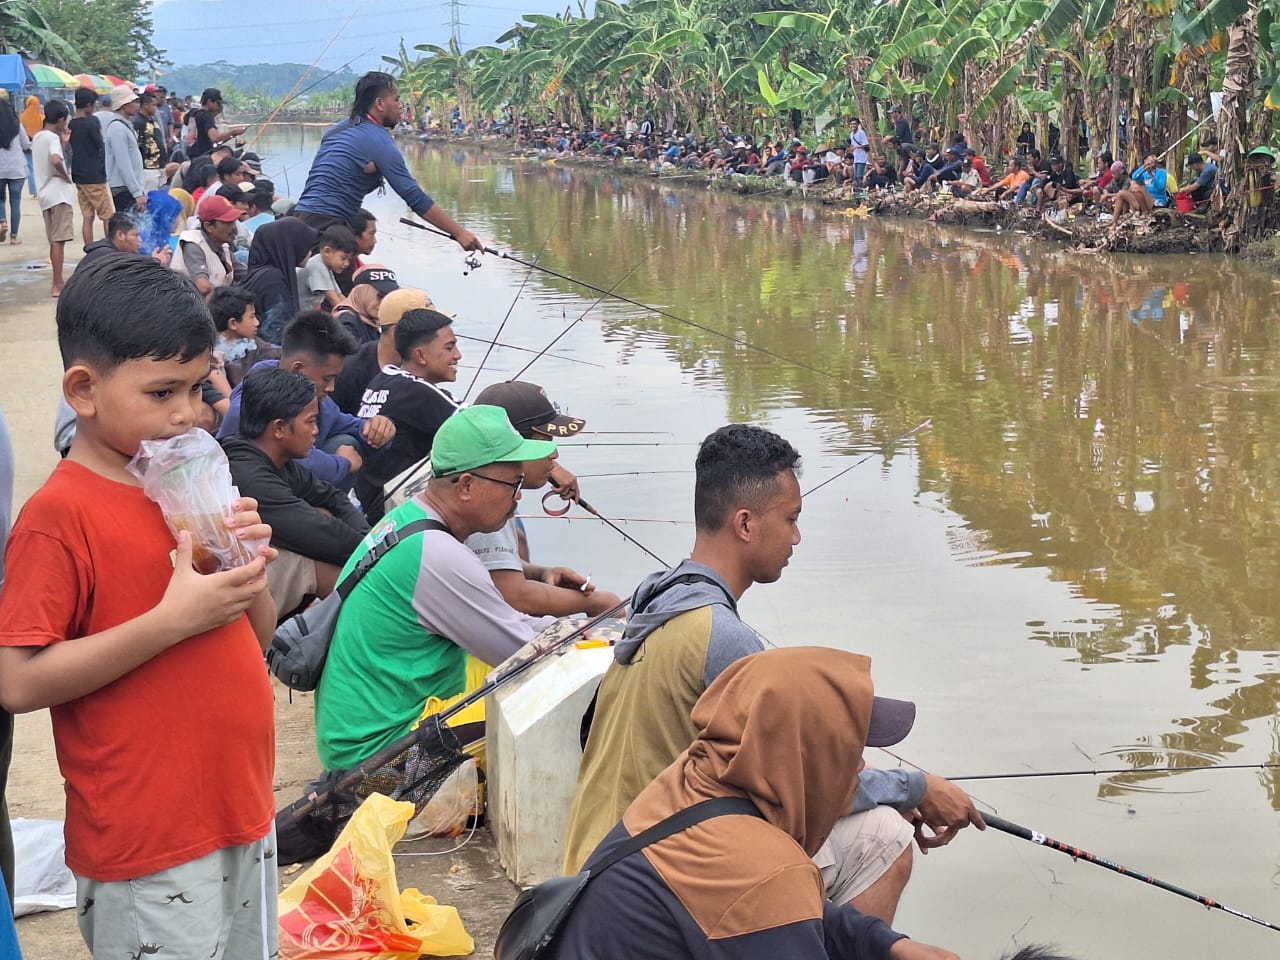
x=14, y=75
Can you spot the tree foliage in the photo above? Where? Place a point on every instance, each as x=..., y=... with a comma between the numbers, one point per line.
x=109, y=36
x=23, y=26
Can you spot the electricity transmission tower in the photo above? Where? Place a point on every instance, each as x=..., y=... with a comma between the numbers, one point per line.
x=455, y=22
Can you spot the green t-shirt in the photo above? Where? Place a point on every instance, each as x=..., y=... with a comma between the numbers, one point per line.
x=383, y=663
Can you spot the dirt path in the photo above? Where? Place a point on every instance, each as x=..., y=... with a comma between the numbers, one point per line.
x=468, y=878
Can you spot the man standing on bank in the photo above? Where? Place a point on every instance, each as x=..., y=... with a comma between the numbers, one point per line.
x=357, y=155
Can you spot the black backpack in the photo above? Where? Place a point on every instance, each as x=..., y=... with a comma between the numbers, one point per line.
x=301, y=644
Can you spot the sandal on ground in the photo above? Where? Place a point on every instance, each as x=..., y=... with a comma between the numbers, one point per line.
x=4, y=230
x=14, y=241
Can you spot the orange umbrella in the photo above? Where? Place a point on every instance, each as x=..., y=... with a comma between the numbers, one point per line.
x=116, y=81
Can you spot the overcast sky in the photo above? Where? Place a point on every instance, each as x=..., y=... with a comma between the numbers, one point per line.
x=296, y=31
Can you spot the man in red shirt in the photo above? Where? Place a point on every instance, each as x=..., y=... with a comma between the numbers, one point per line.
x=162, y=712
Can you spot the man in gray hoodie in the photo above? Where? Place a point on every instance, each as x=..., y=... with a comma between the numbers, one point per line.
x=684, y=630
x=124, y=159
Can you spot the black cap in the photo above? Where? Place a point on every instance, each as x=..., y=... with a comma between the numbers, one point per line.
x=1056, y=159
x=529, y=409
x=211, y=93
x=380, y=278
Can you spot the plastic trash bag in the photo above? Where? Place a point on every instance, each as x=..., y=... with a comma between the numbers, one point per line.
x=41, y=878
x=451, y=806
x=348, y=906
x=189, y=478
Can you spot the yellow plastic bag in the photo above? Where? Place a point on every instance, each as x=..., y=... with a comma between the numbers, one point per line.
x=348, y=906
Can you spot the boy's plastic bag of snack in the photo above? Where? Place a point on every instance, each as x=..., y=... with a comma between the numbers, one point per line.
x=188, y=477
x=348, y=906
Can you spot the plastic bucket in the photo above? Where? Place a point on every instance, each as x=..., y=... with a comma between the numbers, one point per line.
x=1184, y=202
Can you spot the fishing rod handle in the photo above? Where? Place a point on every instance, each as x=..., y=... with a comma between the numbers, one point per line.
x=1015, y=829
x=444, y=233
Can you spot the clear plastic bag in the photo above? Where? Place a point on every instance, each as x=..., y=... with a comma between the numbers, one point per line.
x=450, y=807
x=189, y=478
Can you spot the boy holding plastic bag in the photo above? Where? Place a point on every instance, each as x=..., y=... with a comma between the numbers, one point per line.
x=162, y=712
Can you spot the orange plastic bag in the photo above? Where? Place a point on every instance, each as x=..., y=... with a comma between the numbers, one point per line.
x=348, y=906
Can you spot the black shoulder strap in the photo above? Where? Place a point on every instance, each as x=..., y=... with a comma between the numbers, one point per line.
x=381, y=549
x=685, y=578
x=678, y=821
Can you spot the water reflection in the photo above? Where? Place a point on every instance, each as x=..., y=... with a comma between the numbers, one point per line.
x=1111, y=421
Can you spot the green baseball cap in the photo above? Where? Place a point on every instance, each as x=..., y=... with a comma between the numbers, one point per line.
x=481, y=434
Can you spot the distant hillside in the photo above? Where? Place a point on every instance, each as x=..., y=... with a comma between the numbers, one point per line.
x=271, y=79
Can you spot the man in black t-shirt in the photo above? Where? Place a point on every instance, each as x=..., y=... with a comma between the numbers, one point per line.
x=205, y=121
x=89, y=165
x=409, y=395
x=363, y=365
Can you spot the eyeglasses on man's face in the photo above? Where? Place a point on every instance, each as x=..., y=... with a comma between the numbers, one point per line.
x=515, y=485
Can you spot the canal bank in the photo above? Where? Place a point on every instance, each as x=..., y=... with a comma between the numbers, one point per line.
x=1165, y=231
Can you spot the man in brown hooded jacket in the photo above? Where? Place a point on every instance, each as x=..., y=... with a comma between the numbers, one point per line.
x=739, y=887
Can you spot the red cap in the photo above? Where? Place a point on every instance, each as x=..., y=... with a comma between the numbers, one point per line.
x=217, y=208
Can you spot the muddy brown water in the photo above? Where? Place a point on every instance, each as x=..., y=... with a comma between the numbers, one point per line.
x=1074, y=568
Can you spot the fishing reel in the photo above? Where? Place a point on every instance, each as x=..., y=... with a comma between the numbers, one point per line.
x=470, y=262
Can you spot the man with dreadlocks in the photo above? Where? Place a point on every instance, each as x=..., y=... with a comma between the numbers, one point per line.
x=357, y=155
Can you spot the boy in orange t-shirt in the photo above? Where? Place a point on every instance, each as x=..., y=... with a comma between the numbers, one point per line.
x=153, y=673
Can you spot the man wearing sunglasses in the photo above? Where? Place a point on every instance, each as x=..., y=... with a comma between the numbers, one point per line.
x=427, y=622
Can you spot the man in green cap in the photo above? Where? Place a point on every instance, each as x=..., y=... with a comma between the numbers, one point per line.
x=426, y=623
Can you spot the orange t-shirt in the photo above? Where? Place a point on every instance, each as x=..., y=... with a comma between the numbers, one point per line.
x=175, y=759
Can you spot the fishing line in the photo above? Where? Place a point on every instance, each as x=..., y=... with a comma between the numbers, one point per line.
x=507, y=316
x=582, y=316
x=1032, y=775
x=883, y=451
x=512, y=346
x=1075, y=853
x=643, y=306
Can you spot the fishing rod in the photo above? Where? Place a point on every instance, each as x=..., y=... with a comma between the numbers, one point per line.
x=596, y=513
x=289, y=98
x=1031, y=775
x=922, y=425
x=632, y=473
x=1075, y=853
x=512, y=346
x=636, y=303
x=306, y=73
x=507, y=315
x=582, y=316
x=416, y=467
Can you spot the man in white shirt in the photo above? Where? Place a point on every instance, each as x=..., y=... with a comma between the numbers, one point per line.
x=861, y=144
x=55, y=192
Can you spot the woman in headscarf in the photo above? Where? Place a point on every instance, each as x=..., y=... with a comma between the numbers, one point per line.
x=785, y=729
x=277, y=251
x=32, y=118
x=359, y=310
x=14, y=143
x=188, y=208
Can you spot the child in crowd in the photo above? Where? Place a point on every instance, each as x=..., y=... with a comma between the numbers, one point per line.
x=317, y=281
x=238, y=345
x=162, y=713
x=315, y=526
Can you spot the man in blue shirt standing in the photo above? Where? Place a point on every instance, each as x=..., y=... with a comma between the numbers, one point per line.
x=357, y=155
